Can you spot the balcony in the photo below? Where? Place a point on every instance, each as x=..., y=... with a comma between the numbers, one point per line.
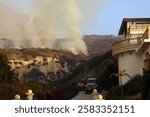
x=125, y=45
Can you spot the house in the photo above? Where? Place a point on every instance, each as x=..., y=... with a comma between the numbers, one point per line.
x=133, y=50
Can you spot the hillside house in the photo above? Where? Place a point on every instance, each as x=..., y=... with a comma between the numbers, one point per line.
x=133, y=51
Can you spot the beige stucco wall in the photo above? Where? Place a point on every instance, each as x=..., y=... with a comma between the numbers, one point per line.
x=132, y=63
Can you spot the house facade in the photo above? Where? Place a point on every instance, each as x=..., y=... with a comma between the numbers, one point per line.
x=133, y=50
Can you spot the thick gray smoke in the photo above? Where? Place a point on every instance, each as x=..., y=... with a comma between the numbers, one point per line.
x=42, y=23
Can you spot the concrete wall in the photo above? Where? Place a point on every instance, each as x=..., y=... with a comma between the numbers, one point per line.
x=132, y=63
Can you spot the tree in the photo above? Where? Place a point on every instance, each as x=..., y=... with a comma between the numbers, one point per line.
x=108, y=67
x=4, y=68
x=146, y=90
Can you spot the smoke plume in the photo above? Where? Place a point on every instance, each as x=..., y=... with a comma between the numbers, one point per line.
x=42, y=23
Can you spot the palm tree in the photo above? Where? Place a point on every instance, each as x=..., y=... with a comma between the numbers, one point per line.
x=120, y=74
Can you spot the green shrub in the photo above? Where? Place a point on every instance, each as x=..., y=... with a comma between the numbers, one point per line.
x=131, y=89
x=134, y=86
x=114, y=93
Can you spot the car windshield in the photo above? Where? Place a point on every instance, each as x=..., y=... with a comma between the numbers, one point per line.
x=91, y=81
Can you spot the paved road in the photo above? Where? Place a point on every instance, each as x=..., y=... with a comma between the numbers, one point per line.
x=82, y=96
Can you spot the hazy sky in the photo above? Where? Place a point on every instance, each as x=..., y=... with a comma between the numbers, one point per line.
x=105, y=16
x=110, y=16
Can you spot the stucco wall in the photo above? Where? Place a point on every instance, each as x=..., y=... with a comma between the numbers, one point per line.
x=132, y=63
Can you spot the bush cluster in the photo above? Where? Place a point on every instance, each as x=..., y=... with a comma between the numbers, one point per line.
x=133, y=89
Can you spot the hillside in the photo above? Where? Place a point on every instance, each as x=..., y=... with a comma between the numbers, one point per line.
x=41, y=64
x=54, y=64
x=62, y=69
x=99, y=44
x=37, y=63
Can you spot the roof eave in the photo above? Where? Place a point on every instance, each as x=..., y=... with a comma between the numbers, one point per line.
x=121, y=27
x=125, y=20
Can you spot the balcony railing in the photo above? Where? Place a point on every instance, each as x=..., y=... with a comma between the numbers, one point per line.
x=125, y=45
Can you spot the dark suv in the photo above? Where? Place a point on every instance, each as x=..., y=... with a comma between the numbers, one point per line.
x=91, y=84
